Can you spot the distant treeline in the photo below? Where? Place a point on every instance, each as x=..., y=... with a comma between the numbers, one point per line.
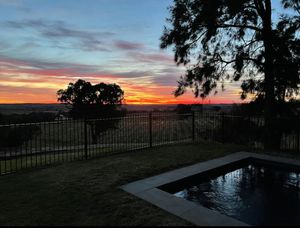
x=16, y=135
x=33, y=117
x=287, y=110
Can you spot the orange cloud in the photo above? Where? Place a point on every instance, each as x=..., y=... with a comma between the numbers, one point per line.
x=37, y=82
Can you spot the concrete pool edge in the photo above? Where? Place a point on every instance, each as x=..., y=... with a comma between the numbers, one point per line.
x=147, y=190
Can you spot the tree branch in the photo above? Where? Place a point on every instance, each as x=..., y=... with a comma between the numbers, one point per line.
x=244, y=58
x=240, y=26
x=254, y=60
x=197, y=39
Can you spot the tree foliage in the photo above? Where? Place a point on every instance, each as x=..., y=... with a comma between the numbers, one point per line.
x=238, y=40
x=245, y=40
x=18, y=135
x=94, y=102
x=89, y=100
x=33, y=117
x=14, y=136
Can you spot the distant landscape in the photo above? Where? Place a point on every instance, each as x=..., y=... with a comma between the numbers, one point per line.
x=55, y=108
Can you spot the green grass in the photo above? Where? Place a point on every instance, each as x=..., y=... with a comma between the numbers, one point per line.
x=53, y=158
x=88, y=193
x=40, y=160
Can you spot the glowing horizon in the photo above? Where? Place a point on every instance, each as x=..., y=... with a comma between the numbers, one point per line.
x=41, y=52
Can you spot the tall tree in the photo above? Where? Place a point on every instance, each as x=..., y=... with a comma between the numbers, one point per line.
x=94, y=102
x=244, y=40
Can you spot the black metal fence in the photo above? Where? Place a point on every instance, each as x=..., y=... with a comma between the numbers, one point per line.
x=31, y=145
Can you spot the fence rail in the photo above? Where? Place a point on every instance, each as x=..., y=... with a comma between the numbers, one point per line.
x=31, y=145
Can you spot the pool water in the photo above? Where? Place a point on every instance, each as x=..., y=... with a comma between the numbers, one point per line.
x=257, y=194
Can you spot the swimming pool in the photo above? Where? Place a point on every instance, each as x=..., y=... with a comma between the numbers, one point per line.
x=238, y=189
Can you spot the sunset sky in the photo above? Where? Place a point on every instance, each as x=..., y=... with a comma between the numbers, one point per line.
x=46, y=44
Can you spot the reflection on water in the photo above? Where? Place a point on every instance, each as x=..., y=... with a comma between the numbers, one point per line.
x=257, y=195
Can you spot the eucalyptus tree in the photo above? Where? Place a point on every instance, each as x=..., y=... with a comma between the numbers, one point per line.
x=255, y=42
x=97, y=102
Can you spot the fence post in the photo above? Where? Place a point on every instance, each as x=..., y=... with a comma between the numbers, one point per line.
x=193, y=126
x=85, y=139
x=150, y=129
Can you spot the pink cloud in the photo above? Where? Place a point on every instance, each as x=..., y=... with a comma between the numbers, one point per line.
x=31, y=81
x=142, y=57
x=125, y=45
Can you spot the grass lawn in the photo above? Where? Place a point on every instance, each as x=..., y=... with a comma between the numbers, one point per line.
x=87, y=192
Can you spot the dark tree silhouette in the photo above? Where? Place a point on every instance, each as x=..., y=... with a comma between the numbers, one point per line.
x=33, y=117
x=14, y=136
x=239, y=40
x=17, y=135
x=94, y=102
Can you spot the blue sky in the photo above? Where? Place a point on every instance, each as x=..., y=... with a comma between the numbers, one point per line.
x=45, y=44
x=131, y=21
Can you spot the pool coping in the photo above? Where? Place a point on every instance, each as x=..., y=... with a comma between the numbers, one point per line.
x=147, y=190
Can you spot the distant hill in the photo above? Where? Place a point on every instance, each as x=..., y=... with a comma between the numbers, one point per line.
x=149, y=107
x=28, y=108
